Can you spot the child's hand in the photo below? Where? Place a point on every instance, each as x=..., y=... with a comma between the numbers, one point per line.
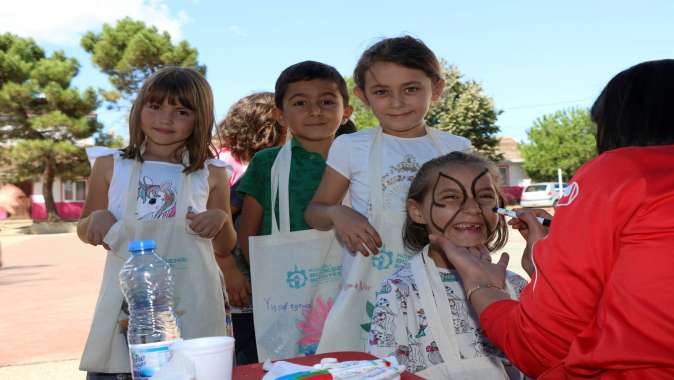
x=207, y=224
x=238, y=286
x=355, y=231
x=100, y=222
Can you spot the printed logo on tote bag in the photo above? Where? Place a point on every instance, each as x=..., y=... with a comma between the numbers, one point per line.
x=297, y=278
x=383, y=260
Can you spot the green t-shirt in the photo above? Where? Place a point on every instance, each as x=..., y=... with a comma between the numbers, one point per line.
x=306, y=172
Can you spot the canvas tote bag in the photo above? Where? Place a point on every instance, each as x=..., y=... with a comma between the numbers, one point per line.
x=295, y=277
x=439, y=316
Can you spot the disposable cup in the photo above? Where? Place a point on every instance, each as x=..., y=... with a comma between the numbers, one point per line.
x=212, y=357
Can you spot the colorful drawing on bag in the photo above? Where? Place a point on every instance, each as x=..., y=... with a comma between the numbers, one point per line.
x=312, y=325
x=381, y=339
x=415, y=354
x=297, y=278
x=155, y=201
x=382, y=316
x=433, y=353
x=383, y=260
x=369, y=310
x=422, y=322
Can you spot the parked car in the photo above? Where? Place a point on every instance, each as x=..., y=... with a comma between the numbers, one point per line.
x=542, y=194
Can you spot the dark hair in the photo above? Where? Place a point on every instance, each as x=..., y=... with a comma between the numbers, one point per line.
x=405, y=51
x=250, y=126
x=189, y=88
x=308, y=70
x=636, y=108
x=346, y=128
x=415, y=235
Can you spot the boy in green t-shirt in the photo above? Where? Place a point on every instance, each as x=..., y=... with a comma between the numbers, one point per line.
x=312, y=102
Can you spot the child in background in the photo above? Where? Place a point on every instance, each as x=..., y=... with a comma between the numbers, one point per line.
x=397, y=78
x=453, y=195
x=248, y=128
x=164, y=186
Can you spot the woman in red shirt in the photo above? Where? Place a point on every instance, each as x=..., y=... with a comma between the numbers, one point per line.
x=601, y=301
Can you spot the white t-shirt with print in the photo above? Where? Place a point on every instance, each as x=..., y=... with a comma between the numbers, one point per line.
x=157, y=187
x=401, y=160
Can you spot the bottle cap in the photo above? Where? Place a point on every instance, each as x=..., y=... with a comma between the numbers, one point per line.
x=141, y=245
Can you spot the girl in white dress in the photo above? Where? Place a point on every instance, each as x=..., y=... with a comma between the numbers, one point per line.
x=164, y=186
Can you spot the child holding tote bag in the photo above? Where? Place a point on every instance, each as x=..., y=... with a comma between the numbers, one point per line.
x=290, y=264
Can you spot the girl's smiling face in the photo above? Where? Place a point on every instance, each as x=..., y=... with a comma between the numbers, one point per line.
x=399, y=97
x=459, y=205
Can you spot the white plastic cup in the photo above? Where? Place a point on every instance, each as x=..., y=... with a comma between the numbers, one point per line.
x=213, y=357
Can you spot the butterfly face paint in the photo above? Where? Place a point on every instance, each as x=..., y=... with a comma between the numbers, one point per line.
x=460, y=206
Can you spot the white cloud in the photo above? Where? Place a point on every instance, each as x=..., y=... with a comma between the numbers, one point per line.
x=236, y=30
x=65, y=21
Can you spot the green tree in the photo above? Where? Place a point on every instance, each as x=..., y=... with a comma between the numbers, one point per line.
x=564, y=139
x=464, y=110
x=42, y=118
x=130, y=51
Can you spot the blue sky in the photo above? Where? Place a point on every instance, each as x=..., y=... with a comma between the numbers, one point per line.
x=531, y=57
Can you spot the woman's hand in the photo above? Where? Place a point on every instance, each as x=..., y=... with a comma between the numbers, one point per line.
x=522, y=226
x=355, y=231
x=99, y=224
x=473, y=264
x=207, y=224
x=479, y=276
x=532, y=230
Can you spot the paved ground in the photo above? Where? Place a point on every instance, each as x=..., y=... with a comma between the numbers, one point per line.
x=48, y=290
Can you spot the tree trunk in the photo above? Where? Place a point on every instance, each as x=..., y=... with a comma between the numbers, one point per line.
x=47, y=184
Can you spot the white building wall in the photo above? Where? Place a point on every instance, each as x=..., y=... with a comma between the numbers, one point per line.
x=56, y=190
x=517, y=174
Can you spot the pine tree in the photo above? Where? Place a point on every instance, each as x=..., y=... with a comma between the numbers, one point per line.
x=42, y=118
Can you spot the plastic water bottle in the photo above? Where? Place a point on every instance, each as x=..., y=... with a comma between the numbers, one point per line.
x=148, y=288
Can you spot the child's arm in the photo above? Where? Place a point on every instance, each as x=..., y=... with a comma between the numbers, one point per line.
x=249, y=223
x=216, y=221
x=96, y=220
x=325, y=212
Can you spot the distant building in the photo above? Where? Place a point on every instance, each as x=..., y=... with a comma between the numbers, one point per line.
x=511, y=167
x=69, y=197
x=513, y=176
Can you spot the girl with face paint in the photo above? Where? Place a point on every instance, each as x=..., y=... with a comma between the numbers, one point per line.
x=422, y=307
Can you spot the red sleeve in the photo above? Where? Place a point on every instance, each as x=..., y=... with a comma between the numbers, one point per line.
x=573, y=265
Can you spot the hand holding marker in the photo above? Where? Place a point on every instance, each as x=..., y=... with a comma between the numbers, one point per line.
x=513, y=214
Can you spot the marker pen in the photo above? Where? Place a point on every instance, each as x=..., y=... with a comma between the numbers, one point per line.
x=513, y=214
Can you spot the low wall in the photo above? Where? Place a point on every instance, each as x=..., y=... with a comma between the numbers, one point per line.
x=66, y=210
